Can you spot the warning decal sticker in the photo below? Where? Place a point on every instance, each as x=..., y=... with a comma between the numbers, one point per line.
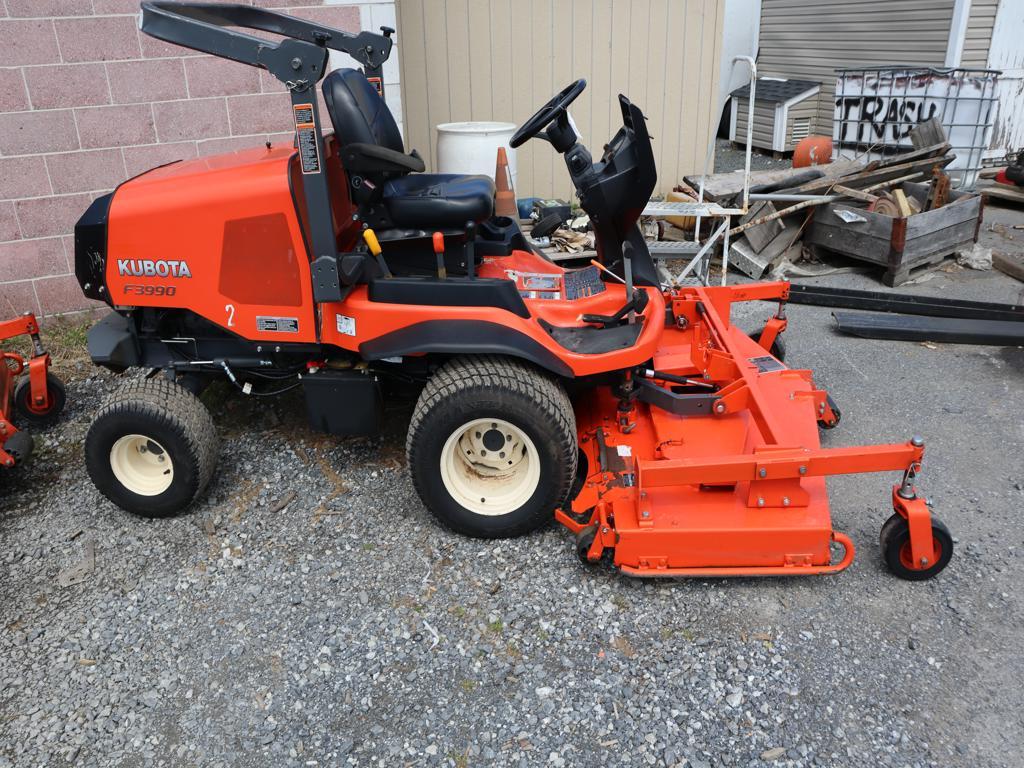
x=305, y=131
x=346, y=324
x=277, y=324
x=767, y=364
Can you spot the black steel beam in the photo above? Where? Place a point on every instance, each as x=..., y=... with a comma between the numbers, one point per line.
x=949, y=330
x=908, y=304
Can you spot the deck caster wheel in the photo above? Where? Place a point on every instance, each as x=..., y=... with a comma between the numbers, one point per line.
x=40, y=416
x=895, y=541
x=492, y=447
x=152, y=448
x=19, y=448
x=583, y=541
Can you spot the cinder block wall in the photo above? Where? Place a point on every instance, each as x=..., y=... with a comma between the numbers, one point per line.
x=87, y=101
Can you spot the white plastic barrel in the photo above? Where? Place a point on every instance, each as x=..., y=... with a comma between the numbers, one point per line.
x=471, y=148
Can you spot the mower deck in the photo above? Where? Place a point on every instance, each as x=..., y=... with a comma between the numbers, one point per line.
x=719, y=480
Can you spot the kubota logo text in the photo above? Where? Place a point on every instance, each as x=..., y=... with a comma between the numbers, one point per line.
x=151, y=268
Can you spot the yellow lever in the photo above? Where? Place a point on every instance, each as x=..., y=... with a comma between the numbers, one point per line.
x=371, y=241
x=370, y=237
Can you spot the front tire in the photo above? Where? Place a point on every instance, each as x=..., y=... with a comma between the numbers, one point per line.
x=152, y=448
x=492, y=447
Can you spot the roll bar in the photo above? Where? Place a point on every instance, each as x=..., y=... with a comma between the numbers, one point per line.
x=205, y=27
x=300, y=62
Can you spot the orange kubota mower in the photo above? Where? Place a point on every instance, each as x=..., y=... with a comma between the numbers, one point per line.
x=668, y=441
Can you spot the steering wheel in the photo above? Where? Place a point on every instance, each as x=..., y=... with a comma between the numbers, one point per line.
x=547, y=114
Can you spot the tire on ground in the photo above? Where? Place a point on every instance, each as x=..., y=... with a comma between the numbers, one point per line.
x=28, y=413
x=171, y=429
x=469, y=399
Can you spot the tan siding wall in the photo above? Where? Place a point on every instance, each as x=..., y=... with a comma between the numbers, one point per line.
x=764, y=122
x=979, y=33
x=502, y=60
x=810, y=40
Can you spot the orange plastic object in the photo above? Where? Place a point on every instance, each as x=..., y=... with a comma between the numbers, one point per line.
x=813, y=150
x=438, y=239
x=505, y=198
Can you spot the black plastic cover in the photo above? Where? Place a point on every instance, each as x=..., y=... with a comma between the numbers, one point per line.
x=113, y=344
x=346, y=403
x=462, y=337
x=591, y=340
x=452, y=292
x=91, y=249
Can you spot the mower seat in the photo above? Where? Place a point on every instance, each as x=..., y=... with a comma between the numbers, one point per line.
x=413, y=200
x=438, y=200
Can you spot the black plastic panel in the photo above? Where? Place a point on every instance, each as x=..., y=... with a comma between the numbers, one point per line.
x=452, y=292
x=343, y=402
x=461, y=337
x=91, y=248
x=591, y=340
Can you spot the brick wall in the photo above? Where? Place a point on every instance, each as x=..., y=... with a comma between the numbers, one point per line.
x=87, y=101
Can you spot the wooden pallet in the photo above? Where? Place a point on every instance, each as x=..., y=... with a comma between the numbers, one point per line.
x=901, y=245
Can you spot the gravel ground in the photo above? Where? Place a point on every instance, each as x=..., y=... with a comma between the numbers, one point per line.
x=309, y=612
x=731, y=158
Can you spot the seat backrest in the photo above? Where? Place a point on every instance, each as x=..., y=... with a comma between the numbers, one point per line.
x=358, y=113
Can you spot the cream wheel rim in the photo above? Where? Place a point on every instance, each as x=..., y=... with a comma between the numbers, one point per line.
x=490, y=467
x=141, y=465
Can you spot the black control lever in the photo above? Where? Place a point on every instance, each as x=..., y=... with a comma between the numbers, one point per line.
x=637, y=304
x=470, y=254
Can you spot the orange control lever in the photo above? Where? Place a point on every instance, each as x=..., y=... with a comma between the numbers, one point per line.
x=442, y=272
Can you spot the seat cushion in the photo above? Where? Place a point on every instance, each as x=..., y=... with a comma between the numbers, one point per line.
x=431, y=201
x=358, y=113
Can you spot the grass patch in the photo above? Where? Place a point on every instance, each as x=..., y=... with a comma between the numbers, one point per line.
x=64, y=338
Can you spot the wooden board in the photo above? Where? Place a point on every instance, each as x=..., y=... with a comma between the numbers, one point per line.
x=874, y=175
x=928, y=132
x=718, y=186
x=723, y=186
x=1000, y=191
x=934, y=150
x=762, y=234
x=1009, y=264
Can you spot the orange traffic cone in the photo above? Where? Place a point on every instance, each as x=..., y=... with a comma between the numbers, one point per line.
x=505, y=199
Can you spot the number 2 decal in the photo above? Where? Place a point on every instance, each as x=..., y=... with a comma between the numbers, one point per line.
x=230, y=309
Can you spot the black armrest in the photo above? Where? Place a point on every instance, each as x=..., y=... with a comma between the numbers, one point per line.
x=371, y=158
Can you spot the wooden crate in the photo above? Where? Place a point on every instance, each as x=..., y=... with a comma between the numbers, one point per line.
x=900, y=245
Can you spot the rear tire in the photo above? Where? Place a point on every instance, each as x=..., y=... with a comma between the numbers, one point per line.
x=492, y=447
x=152, y=448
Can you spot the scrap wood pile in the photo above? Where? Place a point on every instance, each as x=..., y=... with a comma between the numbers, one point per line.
x=846, y=206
